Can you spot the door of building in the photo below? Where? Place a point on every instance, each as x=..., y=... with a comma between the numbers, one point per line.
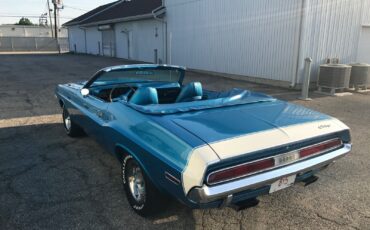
x=108, y=43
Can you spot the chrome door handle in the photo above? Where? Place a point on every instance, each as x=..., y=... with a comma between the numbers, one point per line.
x=100, y=114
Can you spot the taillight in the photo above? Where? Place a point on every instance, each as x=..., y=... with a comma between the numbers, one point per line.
x=319, y=148
x=246, y=169
x=240, y=171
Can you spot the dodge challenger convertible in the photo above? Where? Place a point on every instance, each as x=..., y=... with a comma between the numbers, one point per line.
x=204, y=148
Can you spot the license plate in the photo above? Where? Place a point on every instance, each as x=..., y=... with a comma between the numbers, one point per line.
x=282, y=183
x=286, y=158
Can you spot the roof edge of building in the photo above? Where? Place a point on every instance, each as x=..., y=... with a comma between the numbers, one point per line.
x=99, y=12
x=117, y=20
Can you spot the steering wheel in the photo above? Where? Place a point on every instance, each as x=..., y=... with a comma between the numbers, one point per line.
x=132, y=89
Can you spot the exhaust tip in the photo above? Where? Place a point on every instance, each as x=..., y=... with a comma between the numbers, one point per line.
x=310, y=180
x=245, y=204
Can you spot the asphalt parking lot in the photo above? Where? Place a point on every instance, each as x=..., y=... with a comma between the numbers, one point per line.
x=50, y=181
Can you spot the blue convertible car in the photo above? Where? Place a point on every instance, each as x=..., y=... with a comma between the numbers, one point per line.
x=204, y=148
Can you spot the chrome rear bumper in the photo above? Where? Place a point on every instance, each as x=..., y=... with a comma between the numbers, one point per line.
x=207, y=194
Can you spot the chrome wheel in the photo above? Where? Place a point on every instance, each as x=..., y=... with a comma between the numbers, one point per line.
x=136, y=182
x=144, y=198
x=71, y=128
x=67, y=121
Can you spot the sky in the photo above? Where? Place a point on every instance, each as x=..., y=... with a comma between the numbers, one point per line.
x=16, y=9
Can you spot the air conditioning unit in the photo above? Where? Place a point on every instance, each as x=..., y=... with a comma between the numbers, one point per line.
x=360, y=75
x=334, y=76
x=332, y=61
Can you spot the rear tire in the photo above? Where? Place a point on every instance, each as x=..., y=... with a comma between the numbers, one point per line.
x=143, y=197
x=70, y=127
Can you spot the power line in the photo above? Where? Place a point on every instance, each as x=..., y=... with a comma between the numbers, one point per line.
x=75, y=8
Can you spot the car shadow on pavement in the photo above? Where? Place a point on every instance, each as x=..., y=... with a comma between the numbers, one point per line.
x=52, y=181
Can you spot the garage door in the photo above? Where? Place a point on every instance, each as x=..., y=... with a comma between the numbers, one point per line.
x=364, y=46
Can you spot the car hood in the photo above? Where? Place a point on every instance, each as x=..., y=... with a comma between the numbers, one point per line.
x=244, y=129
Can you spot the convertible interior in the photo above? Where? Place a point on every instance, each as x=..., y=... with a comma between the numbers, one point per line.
x=167, y=98
x=148, y=94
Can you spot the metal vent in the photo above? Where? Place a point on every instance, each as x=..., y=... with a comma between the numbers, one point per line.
x=334, y=76
x=360, y=75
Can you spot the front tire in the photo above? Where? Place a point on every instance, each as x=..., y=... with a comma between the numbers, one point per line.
x=70, y=127
x=143, y=197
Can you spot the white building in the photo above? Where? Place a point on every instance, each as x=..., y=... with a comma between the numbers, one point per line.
x=263, y=41
x=124, y=29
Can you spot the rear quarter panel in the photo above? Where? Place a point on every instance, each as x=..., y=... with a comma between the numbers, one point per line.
x=159, y=147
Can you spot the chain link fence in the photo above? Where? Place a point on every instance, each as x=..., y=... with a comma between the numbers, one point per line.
x=12, y=44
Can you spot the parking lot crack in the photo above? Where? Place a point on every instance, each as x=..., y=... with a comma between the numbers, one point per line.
x=12, y=177
x=83, y=175
x=334, y=221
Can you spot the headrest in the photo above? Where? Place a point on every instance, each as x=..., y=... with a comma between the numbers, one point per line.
x=145, y=96
x=190, y=92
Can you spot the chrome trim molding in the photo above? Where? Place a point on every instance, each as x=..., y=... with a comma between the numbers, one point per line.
x=207, y=194
x=172, y=178
x=274, y=157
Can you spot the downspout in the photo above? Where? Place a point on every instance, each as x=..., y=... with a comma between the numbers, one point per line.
x=69, y=39
x=301, y=36
x=127, y=33
x=164, y=22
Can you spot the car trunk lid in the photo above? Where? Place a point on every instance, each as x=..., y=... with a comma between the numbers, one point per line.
x=244, y=129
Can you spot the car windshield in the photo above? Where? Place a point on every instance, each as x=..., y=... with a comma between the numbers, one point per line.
x=139, y=75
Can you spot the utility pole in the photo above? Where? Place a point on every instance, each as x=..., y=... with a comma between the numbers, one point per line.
x=51, y=21
x=55, y=19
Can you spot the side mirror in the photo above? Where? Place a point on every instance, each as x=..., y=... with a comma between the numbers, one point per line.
x=85, y=92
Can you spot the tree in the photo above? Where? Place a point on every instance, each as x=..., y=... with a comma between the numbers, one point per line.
x=24, y=22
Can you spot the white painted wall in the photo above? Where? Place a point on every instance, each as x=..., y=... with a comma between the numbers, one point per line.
x=261, y=38
x=364, y=46
x=366, y=13
x=143, y=40
x=93, y=38
x=243, y=37
x=76, y=39
x=145, y=36
x=363, y=54
x=332, y=31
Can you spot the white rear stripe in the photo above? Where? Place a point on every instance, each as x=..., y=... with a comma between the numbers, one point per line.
x=275, y=137
x=196, y=166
